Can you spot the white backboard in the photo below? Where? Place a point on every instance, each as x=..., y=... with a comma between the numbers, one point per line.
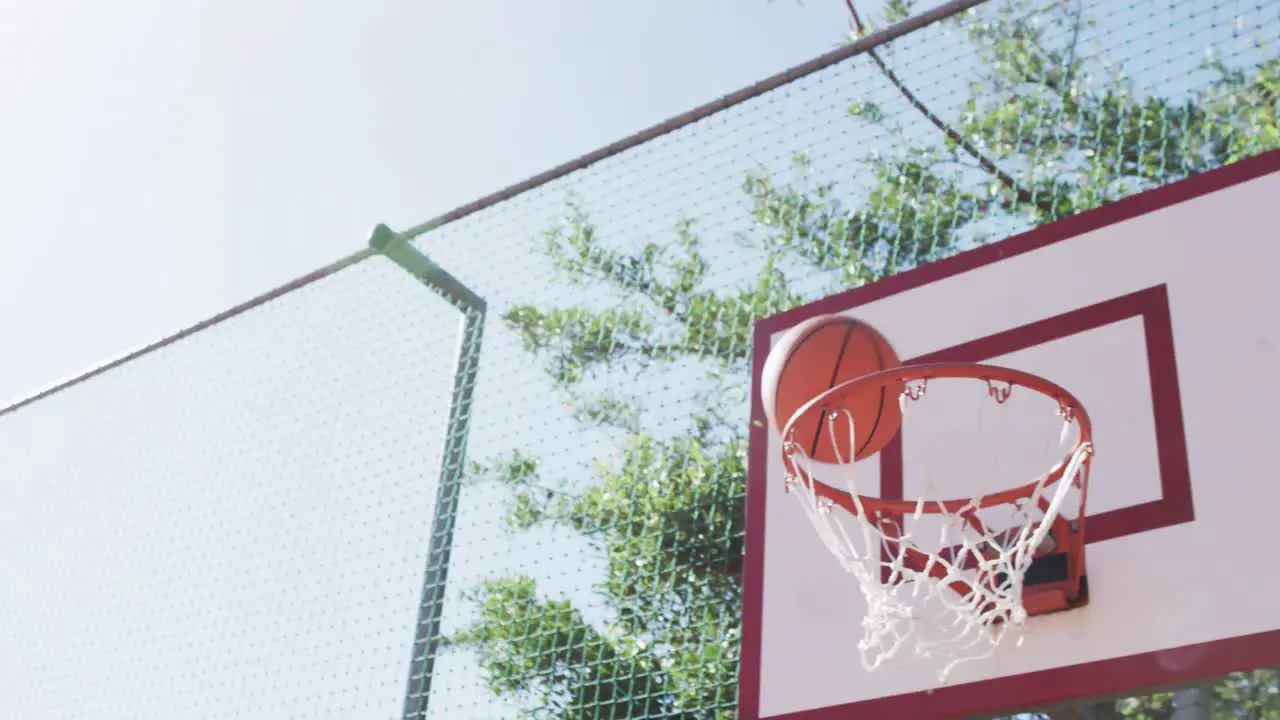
x=1159, y=313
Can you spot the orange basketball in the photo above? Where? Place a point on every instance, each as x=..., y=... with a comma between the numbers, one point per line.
x=817, y=355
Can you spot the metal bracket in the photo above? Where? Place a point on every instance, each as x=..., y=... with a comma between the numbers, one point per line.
x=397, y=249
x=426, y=641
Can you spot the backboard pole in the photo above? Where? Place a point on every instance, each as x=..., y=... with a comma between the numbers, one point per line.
x=453, y=461
x=1195, y=703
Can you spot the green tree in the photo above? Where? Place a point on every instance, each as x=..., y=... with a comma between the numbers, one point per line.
x=1040, y=137
x=1252, y=695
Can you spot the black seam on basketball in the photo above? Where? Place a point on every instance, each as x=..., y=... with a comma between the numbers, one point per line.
x=879, y=411
x=835, y=373
x=782, y=371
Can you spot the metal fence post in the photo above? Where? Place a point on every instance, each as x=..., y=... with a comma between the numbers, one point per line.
x=430, y=609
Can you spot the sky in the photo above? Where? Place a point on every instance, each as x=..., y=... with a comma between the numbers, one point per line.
x=166, y=159
x=163, y=161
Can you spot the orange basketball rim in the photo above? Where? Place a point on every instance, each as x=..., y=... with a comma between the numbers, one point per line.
x=1055, y=576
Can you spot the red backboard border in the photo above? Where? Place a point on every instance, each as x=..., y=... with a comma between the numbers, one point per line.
x=1131, y=674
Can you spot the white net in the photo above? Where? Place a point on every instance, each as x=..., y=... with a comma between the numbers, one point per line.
x=945, y=580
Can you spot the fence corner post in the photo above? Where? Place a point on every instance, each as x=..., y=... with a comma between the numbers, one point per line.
x=426, y=642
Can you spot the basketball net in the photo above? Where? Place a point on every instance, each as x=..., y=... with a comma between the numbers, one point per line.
x=957, y=594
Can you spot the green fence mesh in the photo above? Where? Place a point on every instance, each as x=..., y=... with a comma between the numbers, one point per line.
x=599, y=542
x=596, y=536
x=235, y=523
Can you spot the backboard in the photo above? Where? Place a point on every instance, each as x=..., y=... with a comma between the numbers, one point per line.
x=1159, y=312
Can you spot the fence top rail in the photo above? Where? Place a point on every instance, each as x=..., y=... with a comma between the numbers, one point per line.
x=266, y=297
x=869, y=41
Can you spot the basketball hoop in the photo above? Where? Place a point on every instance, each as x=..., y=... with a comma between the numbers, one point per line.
x=949, y=577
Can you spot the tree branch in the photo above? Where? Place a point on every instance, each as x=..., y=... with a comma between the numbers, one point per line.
x=1022, y=194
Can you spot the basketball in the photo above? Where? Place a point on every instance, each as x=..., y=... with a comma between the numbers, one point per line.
x=817, y=355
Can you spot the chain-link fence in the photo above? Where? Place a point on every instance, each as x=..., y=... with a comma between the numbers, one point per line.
x=236, y=524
